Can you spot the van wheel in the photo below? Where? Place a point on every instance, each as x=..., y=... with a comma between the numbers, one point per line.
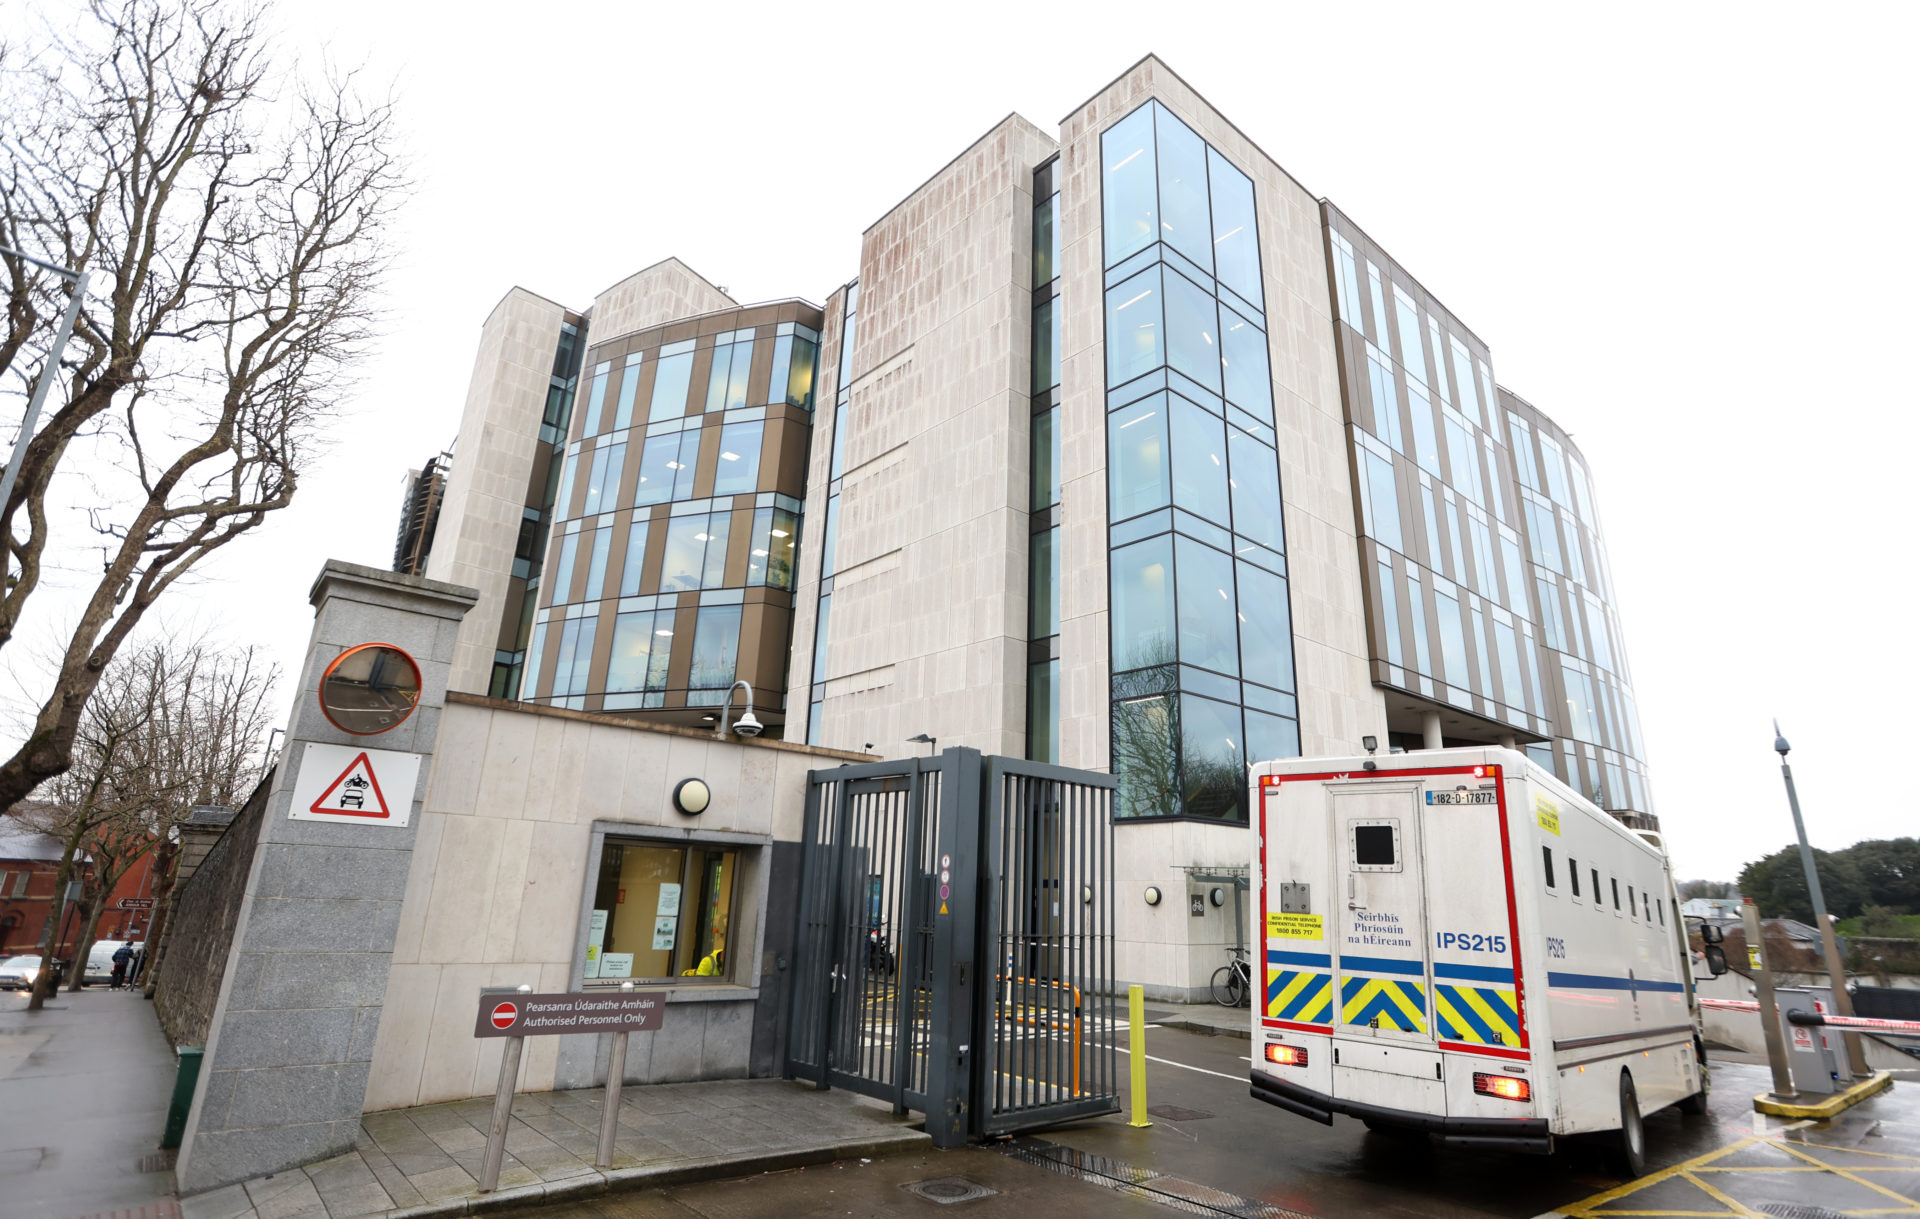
x=1696, y=1105
x=1630, y=1143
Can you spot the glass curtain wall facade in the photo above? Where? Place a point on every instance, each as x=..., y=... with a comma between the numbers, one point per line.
x=509, y=660
x=1043, y=536
x=1201, y=629
x=677, y=513
x=842, y=394
x=1480, y=549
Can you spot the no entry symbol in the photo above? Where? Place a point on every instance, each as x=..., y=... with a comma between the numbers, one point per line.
x=504, y=1015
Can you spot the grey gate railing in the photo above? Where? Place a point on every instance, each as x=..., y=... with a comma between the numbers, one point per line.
x=933, y=982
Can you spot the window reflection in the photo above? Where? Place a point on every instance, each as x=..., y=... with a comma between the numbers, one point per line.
x=738, y=470
x=1142, y=604
x=666, y=467
x=1137, y=476
x=629, y=386
x=1243, y=363
x=1211, y=747
x=636, y=560
x=1185, y=220
x=1192, y=328
x=672, y=377
x=1266, y=628
x=1144, y=735
x=727, y=377
x=1130, y=206
x=716, y=648
x=1043, y=560
x=695, y=555
x=1236, y=243
x=642, y=648
x=1133, y=327
x=1205, y=597
x=1199, y=460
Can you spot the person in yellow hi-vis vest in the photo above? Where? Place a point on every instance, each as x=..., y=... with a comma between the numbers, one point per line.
x=714, y=962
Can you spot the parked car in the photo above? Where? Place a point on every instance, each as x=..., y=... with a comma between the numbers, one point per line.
x=16, y=973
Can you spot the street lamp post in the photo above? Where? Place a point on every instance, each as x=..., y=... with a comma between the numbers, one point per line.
x=1836, y=972
x=79, y=281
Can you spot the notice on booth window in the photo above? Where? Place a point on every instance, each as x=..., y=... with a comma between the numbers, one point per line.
x=1294, y=927
x=669, y=902
x=596, y=936
x=616, y=965
x=663, y=933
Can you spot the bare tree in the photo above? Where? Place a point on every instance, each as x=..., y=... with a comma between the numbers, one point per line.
x=171, y=725
x=238, y=239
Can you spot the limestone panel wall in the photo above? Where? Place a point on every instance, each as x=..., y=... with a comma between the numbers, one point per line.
x=928, y=626
x=1337, y=700
x=1165, y=948
x=493, y=461
x=664, y=292
x=806, y=595
x=494, y=897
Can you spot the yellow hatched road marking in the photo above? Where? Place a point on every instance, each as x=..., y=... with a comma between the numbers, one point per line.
x=1696, y=1170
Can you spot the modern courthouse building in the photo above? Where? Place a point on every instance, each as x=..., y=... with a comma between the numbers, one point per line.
x=1119, y=449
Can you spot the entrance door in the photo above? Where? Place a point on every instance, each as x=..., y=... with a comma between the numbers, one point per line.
x=1381, y=951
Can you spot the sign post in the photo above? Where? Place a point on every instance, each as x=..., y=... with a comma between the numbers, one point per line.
x=524, y=1014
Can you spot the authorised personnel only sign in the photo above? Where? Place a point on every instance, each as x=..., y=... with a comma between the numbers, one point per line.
x=510, y=1014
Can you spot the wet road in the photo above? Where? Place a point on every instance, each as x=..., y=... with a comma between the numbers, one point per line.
x=1233, y=1155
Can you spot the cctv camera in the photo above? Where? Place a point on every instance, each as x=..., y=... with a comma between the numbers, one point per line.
x=747, y=725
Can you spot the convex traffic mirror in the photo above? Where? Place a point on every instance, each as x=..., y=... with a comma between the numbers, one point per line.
x=370, y=689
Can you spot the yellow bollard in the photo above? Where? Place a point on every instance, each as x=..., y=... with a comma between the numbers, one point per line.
x=1137, y=1051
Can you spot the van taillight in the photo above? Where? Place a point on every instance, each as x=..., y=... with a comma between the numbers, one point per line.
x=1506, y=1087
x=1287, y=1055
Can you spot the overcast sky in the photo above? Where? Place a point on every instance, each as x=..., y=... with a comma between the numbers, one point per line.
x=1686, y=232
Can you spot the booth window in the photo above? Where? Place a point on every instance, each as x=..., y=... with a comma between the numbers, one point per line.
x=661, y=913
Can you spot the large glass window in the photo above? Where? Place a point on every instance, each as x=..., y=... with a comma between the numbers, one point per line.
x=1199, y=460
x=1426, y=442
x=1193, y=325
x=1523, y=460
x=1511, y=691
x=661, y=913
x=1145, y=743
x=1243, y=364
x=1255, y=490
x=738, y=470
x=1550, y=623
x=696, y=552
x=1413, y=356
x=1137, y=463
x=1127, y=189
x=1453, y=641
x=636, y=560
x=1046, y=241
x=603, y=479
x=1133, y=327
x=1543, y=533
x=1463, y=457
x=597, y=563
x=1382, y=389
x=1463, y=373
x=672, y=377
x=770, y=562
x=1142, y=604
x=576, y=656
x=1382, y=503
x=1205, y=595
x=1214, y=782
x=727, y=378
x=1236, y=243
x=1346, y=278
x=642, y=649
x=629, y=386
x=1046, y=346
x=1043, y=559
x=1043, y=711
x=1390, y=613
x=667, y=465
x=1266, y=628
x=1046, y=458
x=1185, y=218
x=563, y=569
x=716, y=648
x=596, y=398
x=1582, y=719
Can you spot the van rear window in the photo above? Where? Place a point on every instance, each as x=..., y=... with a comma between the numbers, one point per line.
x=1373, y=846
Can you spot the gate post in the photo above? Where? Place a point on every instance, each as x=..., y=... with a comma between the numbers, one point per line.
x=950, y=1048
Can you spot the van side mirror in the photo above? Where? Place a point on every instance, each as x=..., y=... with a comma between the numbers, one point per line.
x=1716, y=959
x=1711, y=934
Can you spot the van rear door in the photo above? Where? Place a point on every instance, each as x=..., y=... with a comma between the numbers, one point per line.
x=1381, y=946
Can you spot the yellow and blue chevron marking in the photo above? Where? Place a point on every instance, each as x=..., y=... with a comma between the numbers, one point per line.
x=1305, y=995
x=1384, y=1003
x=1481, y=1014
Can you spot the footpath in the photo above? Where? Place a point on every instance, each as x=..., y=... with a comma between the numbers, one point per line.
x=84, y=1087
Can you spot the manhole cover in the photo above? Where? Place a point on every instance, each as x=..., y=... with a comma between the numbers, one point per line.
x=1792, y=1210
x=948, y=1190
x=1174, y=1113
x=159, y=1161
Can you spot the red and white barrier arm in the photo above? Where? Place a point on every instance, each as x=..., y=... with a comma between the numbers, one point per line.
x=1865, y=1024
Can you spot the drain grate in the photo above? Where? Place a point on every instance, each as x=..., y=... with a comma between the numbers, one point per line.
x=1792, y=1210
x=159, y=1161
x=1174, y=1113
x=948, y=1190
x=1135, y=1182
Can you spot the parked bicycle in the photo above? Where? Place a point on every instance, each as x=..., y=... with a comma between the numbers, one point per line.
x=1233, y=982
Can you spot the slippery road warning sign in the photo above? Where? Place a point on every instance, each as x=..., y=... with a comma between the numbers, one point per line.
x=347, y=784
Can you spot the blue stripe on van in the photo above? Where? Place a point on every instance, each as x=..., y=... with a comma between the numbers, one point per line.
x=1382, y=965
x=1473, y=973
x=1604, y=982
x=1320, y=959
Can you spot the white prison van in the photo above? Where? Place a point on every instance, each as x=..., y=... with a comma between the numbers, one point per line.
x=1455, y=942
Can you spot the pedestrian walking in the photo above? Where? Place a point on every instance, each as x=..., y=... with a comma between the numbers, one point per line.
x=122, y=957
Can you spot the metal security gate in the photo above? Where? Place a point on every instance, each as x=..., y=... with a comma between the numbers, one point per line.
x=1049, y=1045
x=929, y=981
